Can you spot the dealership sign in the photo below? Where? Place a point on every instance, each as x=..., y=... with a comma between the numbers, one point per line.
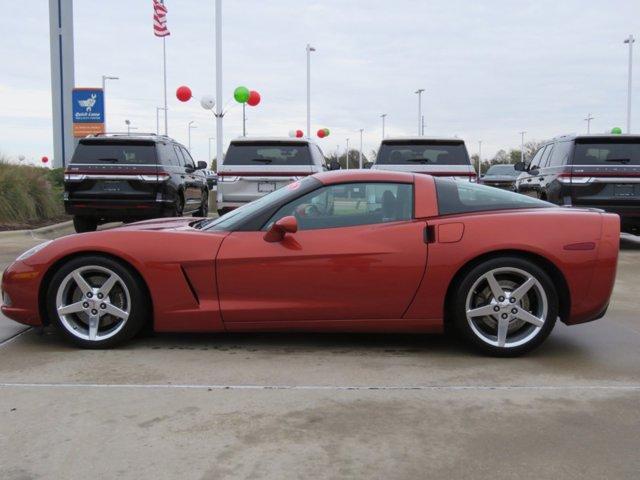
x=88, y=111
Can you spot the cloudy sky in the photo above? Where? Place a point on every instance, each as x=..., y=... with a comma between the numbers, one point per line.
x=490, y=68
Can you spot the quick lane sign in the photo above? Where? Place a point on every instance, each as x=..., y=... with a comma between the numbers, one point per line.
x=88, y=111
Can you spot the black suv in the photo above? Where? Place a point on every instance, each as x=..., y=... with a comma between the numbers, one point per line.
x=125, y=178
x=601, y=171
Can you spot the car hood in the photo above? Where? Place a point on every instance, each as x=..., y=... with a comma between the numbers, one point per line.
x=173, y=223
x=498, y=178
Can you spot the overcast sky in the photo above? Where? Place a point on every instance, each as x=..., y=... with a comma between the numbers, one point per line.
x=490, y=68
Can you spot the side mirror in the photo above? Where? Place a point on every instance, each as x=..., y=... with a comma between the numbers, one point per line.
x=201, y=165
x=367, y=164
x=520, y=166
x=534, y=172
x=283, y=226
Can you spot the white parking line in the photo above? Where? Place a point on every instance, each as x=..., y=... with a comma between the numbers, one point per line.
x=628, y=387
x=13, y=337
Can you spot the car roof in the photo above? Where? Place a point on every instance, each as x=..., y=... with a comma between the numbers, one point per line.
x=595, y=136
x=137, y=137
x=422, y=139
x=272, y=139
x=357, y=175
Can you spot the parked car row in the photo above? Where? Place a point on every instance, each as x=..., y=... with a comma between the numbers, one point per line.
x=126, y=178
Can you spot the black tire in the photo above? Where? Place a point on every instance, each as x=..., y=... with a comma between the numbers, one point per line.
x=506, y=270
x=137, y=304
x=203, y=211
x=178, y=207
x=85, y=224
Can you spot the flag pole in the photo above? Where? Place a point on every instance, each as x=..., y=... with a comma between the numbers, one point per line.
x=164, y=62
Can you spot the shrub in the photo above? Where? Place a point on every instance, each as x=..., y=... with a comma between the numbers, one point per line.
x=29, y=193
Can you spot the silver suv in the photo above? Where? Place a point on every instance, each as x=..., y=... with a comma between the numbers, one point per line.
x=254, y=167
x=441, y=157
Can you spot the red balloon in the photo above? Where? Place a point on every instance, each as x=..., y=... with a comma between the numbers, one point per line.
x=254, y=98
x=184, y=93
x=321, y=133
x=299, y=133
x=45, y=159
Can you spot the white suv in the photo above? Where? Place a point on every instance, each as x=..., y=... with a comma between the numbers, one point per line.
x=441, y=157
x=254, y=167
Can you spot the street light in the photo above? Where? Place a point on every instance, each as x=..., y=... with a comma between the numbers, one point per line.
x=629, y=40
x=360, y=156
x=309, y=50
x=347, y=157
x=383, y=116
x=129, y=127
x=419, y=93
x=189, y=127
x=588, y=120
x=158, y=119
x=479, y=158
x=104, y=95
x=522, y=146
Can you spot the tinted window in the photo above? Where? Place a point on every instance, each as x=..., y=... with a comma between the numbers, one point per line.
x=106, y=152
x=535, y=161
x=427, y=152
x=502, y=170
x=560, y=154
x=546, y=155
x=463, y=197
x=607, y=152
x=268, y=153
x=167, y=154
x=187, y=157
x=180, y=156
x=350, y=204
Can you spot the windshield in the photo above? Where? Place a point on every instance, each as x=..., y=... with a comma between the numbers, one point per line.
x=268, y=153
x=229, y=221
x=463, y=197
x=428, y=152
x=119, y=152
x=502, y=170
x=618, y=151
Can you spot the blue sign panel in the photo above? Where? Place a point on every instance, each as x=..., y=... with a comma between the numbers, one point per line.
x=88, y=105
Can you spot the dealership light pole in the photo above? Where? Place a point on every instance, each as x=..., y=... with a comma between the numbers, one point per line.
x=128, y=124
x=360, y=155
x=309, y=50
x=104, y=95
x=347, y=156
x=479, y=158
x=419, y=93
x=219, y=113
x=629, y=40
x=158, y=119
x=384, y=117
x=522, y=146
x=588, y=120
x=189, y=127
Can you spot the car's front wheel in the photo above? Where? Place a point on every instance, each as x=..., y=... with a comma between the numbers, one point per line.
x=96, y=302
x=505, y=306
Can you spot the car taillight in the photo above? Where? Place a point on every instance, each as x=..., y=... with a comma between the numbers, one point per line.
x=159, y=177
x=568, y=178
x=229, y=179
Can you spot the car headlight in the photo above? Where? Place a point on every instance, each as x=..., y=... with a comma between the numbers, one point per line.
x=33, y=251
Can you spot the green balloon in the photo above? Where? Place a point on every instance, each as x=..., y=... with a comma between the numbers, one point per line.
x=326, y=132
x=241, y=94
x=616, y=130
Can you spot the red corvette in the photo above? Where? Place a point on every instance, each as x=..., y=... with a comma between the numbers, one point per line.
x=366, y=251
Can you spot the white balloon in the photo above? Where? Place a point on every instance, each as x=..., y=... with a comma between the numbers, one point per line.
x=207, y=102
x=21, y=158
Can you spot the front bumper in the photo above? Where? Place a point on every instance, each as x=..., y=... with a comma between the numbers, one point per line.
x=20, y=287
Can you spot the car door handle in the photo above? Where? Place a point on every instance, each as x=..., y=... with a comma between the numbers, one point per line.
x=528, y=179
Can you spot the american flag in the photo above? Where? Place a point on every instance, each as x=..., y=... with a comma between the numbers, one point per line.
x=160, y=19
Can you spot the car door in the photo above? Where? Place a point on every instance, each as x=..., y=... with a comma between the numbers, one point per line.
x=529, y=185
x=192, y=188
x=358, y=254
x=544, y=175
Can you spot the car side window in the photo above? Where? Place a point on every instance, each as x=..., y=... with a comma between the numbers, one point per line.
x=350, y=204
x=180, y=156
x=535, y=161
x=545, y=157
x=167, y=154
x=560, y=154
x=321, y=157
x=187, y=158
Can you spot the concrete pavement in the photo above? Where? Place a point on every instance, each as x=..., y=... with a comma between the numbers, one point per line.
x=332, y=406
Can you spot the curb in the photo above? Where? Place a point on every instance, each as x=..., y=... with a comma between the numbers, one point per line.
x=36, y=231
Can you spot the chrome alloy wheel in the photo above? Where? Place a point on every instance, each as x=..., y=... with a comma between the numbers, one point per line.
x=93, y=303
x=506, y=307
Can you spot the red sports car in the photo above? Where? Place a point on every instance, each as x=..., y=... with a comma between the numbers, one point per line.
x=357, y=251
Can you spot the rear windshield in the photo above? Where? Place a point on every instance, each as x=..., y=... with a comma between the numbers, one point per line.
x=463, y=197
x=426, y=152
x=115, y=152
x=268, y=153
x=502, y=170
x=619, y=151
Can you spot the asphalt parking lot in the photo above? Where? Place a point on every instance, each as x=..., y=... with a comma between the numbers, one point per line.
x=324, y=406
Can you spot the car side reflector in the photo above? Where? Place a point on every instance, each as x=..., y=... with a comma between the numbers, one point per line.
x=581, y=246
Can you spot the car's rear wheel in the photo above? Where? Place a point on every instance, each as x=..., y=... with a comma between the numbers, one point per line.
x=85, y=224
x=96, y=302
x=203, y=211
x=505, y=306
